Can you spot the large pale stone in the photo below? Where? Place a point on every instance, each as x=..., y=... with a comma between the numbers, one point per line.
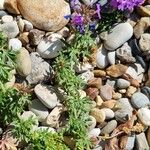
x=47, y=15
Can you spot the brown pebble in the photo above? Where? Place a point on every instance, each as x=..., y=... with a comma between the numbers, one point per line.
x=96, y=82
x=92, y=93
x=109, y=104
x=99, y=73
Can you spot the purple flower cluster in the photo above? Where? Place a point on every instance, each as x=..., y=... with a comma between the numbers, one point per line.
x=126, y=4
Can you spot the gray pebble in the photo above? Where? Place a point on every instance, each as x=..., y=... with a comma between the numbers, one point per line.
x=112, y=57
x=146, y=90
x=3, y=13
x=39, y=110
x=130, y=142
x=15, y=44
x=139, y=100
x=122, y=83
x=111, y=125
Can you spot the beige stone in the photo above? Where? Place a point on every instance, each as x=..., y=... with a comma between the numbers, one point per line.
x=130, y=91
x=109, y=104
x=46, y=15
x=99, y=73
x=99, y=101
x=143, y=11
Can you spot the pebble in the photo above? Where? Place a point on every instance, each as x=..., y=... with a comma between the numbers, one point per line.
x=98, y=101
x=130, y=91
x=23, y=62
x=92, y=92
x=124, y=54
x=15, y=44
x=50, y=47
x=52, y=119
x=146, y=90
x=86, y=76
x=91, y=123
x=143, y=11
x=7, y=18
x=39, y=110
x=2, y=13
x=99, y=73
x=41, y=70
x=89, y=2
x=23, y=37
x=118, y=36
x=27, y=25
x=144, y=42
x=64, y=32
x=10, y=28
x=35, y=36
x=108, y=113
x=111, y=82
x=101, y=58
x=130, y=142
x=44, y=14
x=122, y=91
x=11, y=6
x=98, y=114
x=112, y=57
x=106, y=92
x=47, y=95
x=122, y=83
x=48, y=129
x=109, y=104
x=82, y=93
x=139, y=100
x=116, y=95
x=141, y=142
x=144, y=116
x=96, y=82
x=94, y=132
x=2, y=4
x=141, y=26
x=116, y=70
x=83, y=67
x=29, y=114
x=110, y=126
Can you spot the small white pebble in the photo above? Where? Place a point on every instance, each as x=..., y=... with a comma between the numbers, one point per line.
x=7, y=18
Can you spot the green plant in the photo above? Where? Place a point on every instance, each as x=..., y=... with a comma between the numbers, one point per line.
x=12, y=103
x=78, y=107
x=38, y=139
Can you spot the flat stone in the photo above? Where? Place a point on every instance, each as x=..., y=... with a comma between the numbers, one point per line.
x=99, y=73
x=112, y=57
x=116, y=70
x=122, y=83
x=141, y=26
x=110, y=126
x=144, y=42
x=7, y=18
x=141, y=142
x=50, y=47
x=96, y=82
x=44, y=14
x=41, y=70
x=101, y=58
x=139, y=100
x=39, y=110
x=92, y=93
x=106, y=92
x=23, y=62
x=118, y=36
x=47, y=95
x=143, y=115
x=109, y=104
x=10, y=28
x=130, y=91
x=98, y=114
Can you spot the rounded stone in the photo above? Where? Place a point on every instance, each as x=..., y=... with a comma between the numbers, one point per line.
x=46, y=95
x=118, y=36
x=139, y=100
x=50, y=46
x=10, y=28
x=15, y=44
x=27, y=25
x=94, y=132
x=23, y=62
x=112, y=57
x=108, y=113
x=101, y=58
x=39, y=110
x=122, y=83
x=7, y=18
x=144, y=116
x=110, y=126
x=98, y=114
x=146, y=90
x=45, y=15
x=130, y=91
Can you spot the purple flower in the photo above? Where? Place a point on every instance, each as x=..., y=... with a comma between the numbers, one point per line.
x=125, y=4
x=98, y=9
